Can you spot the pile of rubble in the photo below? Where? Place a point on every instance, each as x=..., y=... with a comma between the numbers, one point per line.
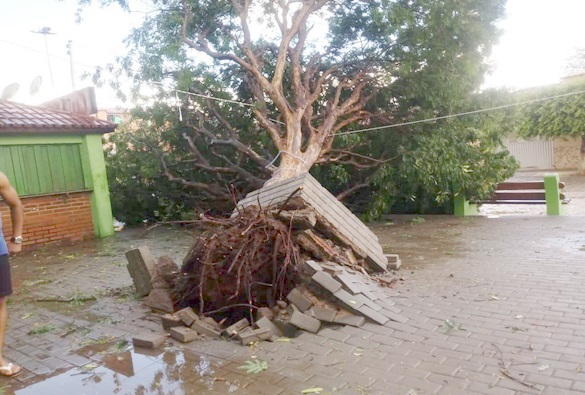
x=335, y=295
x=291, y=258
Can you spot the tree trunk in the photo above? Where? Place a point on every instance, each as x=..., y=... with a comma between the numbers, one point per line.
x=291, y=165
x=294, y=163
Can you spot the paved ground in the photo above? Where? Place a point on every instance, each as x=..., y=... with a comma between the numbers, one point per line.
x=495, y=306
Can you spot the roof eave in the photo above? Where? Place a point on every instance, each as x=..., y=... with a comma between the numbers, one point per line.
x=45, y=130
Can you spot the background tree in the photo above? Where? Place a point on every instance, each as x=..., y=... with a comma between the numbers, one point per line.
x=307, y=70
x=563, y=117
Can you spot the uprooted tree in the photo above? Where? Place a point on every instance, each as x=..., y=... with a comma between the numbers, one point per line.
x=300, y=72
x=265, y=88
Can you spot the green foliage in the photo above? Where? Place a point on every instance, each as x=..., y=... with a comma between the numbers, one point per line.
x=426, y=59
x=452, y=325
x=139, y=191
x=41, y=330
x=437, y=166
x=559, y=117
x=438, y=67
x=254, y=367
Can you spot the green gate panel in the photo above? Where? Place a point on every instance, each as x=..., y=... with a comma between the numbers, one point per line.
x=41, y=169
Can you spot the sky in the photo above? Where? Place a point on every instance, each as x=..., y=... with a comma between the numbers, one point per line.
x=538, y=37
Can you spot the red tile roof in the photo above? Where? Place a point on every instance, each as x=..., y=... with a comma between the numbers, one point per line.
x=22, y=118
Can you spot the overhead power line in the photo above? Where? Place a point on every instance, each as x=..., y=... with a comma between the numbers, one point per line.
x=458, y=114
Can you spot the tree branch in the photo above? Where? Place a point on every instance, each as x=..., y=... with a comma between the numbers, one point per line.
x=211, y=189
x=347, y=193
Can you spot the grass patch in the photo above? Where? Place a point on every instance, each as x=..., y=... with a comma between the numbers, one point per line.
x=101, y=340
x=119, y=346
x=30, y=283
x=517, y=329
x=78, y=298
x=452, y=325
x=40, y=330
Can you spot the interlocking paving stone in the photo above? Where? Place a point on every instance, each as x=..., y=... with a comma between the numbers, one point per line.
x=326, y=281
x=373, y=315
x=540, y=281
x=348, y=299
x=348, y=282
x=368, y=302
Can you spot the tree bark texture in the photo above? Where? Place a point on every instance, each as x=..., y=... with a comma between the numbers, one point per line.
x=301, y=102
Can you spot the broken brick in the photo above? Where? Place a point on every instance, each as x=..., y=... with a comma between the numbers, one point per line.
x=237, y=327
x=264, y=312
x=264, y=322
x=255, y=335
x=187, y=315
x=394, y=262
x=286, y=328
x=297, y=298
x=211, y=322
x=160, y=299
x=141, y=266
x=324, y=314
x=170, y=320
x=305, y=322
x=205, y=329
x=184, y=334
x=149, y=340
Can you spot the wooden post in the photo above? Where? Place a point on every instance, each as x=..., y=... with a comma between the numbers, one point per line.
x=552, y=194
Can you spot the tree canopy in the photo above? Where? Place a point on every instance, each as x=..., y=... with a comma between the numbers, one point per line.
x=553, y=111
x=298, y=74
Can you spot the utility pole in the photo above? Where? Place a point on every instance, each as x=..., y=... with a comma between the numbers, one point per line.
x=44, y=31
x=70, y=53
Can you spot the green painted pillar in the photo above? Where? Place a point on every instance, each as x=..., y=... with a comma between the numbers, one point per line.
x=552, y=194
x=94, y=166
x=462, y=207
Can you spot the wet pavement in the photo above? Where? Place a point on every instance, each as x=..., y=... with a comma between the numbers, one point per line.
x=495, y=306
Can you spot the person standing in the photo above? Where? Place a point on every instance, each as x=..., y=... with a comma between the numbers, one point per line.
x=10, y=197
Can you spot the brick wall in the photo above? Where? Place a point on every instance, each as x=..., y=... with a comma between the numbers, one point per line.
x=47, y=219
x=567, y=153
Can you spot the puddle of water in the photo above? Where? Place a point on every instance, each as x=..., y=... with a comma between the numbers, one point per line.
x=433, y=240
x=135, y=371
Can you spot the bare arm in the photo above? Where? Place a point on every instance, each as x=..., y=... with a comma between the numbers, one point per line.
x=9, y=195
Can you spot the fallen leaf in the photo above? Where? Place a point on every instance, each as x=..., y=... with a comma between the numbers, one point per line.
x=283, y=339
x=314, y=390
x=542, y=368
x=253, y=367
x=89, y=367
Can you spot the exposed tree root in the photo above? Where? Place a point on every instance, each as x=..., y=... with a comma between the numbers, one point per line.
x=246, y=261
